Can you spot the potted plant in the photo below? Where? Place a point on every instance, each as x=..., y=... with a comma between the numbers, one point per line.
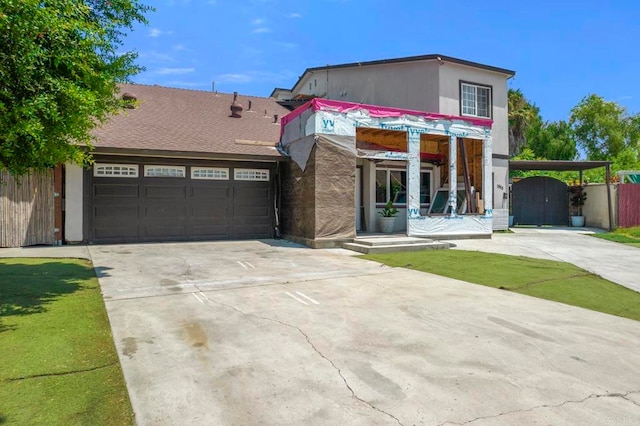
x=577, y=198
x=388, y=217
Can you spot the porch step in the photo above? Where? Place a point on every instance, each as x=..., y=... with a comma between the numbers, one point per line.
x=393, y=244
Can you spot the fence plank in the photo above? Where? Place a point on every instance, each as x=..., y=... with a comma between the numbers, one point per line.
x=26, y=209
x=628, y=205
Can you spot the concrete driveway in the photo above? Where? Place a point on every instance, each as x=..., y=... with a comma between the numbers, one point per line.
x=257, y=333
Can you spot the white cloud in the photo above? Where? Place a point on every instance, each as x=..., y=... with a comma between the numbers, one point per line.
x=179, y=47
x=173, y=71
x=156, y=57
x=287, y=46
x=235, y=78
x=258, y=21
x=262, y=30
x=157, y=32
x=294, y=15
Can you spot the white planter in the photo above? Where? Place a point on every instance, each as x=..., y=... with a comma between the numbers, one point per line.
x=577, y=221
x=386, y=224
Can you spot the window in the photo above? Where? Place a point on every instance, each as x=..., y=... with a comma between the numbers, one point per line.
x=115, y=170
x=251, y=174
x=475, y=100
x=392, y=184
x=164, y=171
x=209, y=173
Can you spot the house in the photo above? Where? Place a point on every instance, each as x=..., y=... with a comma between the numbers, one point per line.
x=179, y=165
x=423, y=96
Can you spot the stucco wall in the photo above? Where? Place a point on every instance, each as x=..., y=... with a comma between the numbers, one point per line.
x=596, y=210
x=411, y=85
x=73, y=197
x=450, y=77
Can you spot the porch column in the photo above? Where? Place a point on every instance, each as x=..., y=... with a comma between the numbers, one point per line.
x=487, y=169
x=453, y=175
x=413, y=176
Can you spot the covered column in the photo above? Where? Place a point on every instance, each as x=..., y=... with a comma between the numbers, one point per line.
x=413, y=175
x=453, y=174
x=487, y=169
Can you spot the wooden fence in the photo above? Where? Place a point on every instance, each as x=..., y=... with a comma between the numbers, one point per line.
x=26, y=209
x=628, y=205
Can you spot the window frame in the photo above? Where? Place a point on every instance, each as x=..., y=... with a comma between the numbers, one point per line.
x=388, y=171
x=130, y=167
x=148, y=167
x=223, y=170
x=476, y=86
x=259, y=175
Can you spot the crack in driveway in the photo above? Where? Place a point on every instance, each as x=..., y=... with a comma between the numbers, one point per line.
x=578, y=401
x=335, y=367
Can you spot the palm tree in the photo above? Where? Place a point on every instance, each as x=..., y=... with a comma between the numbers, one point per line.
x=522, y=115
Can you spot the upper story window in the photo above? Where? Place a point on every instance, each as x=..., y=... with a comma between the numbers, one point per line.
x=475, y=100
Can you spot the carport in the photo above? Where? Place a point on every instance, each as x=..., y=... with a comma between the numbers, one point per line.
x=560, y=165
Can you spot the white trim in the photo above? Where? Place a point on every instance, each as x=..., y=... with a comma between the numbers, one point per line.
x=251, y=174
x=115, y=170
x=164, y=171
x=209, y=173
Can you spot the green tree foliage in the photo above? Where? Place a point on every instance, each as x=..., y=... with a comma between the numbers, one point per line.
x=604, y=129
x=59, y=69
x=552, y=141
x=522, y=115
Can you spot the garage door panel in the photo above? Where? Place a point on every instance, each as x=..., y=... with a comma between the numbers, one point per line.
x=252, y=211
x=153, y=208
x=111, y=190
x=165, y=191
x=165, y=211
x=212, y=192
x=209, y=211
x=115, y=211
x=210, y=230
x=167, y=230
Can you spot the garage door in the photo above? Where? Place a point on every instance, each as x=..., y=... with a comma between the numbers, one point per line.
x=163, y=202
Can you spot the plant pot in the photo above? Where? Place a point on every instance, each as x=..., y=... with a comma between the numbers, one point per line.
x=577, y=221
x=386, y=224
x=510, y=221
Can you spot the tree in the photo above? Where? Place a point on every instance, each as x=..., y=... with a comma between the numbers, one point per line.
x=59, y=69
x=603, y=128
x=552, y=141
x=522, y=115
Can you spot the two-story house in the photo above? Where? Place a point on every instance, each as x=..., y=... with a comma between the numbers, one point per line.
x=452, y=91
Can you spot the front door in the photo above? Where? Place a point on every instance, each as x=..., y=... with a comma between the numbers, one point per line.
x=358, y=199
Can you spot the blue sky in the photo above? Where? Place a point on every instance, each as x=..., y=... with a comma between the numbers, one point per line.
x=561, y=51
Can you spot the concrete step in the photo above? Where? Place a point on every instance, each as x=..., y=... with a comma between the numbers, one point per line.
x=387, y=240
x=391, y=248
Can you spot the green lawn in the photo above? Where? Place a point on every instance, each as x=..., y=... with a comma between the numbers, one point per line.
x=629, y=236
x=59, y=365
x=546, y=279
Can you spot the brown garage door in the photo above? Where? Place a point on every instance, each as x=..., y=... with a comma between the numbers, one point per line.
x=163, y=202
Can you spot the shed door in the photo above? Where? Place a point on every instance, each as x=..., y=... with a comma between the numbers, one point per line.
x=540, y=201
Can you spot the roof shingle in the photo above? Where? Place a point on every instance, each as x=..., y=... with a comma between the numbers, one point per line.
x=169, y=119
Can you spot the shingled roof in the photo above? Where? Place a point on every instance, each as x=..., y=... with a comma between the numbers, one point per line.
x=190, y=121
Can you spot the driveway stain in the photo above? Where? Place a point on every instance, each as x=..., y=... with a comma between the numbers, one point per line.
x=519, y=329
x=130, y=346
x=195, y=334
x=375, y=380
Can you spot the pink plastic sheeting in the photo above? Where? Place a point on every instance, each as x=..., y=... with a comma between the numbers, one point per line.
x=376, y=111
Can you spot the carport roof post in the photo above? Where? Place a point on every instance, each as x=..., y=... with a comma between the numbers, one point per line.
x=558, y=165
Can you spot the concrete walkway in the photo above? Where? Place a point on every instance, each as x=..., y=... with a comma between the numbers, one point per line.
x=613, y=261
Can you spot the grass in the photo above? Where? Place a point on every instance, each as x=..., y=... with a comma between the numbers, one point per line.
x=59, y=364
x=629, y=236
x=546, y=279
